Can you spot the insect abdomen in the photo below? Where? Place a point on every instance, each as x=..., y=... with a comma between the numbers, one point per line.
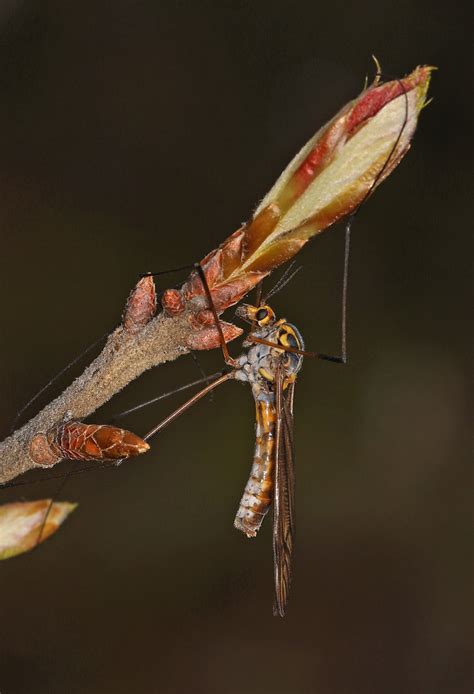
x=258, y=494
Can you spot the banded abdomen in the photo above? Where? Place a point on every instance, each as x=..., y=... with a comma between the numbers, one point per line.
x=258, y=494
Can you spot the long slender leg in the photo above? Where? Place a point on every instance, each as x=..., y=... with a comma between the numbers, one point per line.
x=110, y=465
x=66, y=476
x=189, y=403
x=82, y=354
x=342, y=358
x=227, y=358
x=204, y=379
x=174, y=415
x=167, y=272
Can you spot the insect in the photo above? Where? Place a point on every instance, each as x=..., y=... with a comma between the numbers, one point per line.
x=271, y=374
x=272, y=358
x=270, y=366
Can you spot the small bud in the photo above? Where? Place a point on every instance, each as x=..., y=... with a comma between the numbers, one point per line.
x=78, y=441
x=172, y=301
x=141, y=305
x=40, y=451
x=209, y=337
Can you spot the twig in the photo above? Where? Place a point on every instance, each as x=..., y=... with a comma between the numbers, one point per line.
x=124, y=357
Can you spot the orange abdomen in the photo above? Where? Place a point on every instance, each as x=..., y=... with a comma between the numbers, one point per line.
x=258, y=494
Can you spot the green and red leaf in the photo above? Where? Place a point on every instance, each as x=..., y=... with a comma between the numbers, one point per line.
x=326, y=181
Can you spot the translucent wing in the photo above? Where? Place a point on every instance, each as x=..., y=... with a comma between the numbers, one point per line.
x=283, y=504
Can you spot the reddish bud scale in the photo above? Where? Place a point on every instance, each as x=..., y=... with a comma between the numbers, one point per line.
x=327, y=180
x=172, y=302
x=78, y=441
x=208, y=337
x=375, y=98
x=314, y=163
x=141, y=305
x=40, y=451
x=217, y=265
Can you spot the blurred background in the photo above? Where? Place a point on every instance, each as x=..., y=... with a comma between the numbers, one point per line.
x=136, y=136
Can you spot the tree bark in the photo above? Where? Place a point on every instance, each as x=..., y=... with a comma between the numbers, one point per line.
x=124, y=357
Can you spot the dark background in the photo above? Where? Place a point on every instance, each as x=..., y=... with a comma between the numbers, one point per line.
x=136, y=136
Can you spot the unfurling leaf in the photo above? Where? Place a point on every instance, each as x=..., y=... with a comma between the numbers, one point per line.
x=326, y=181
x=22, y=524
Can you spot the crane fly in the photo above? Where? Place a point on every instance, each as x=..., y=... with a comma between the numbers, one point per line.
x=272, y=374
x=272, y=358
x=270, y=368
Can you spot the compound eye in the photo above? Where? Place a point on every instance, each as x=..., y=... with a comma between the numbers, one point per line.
x=288, y=340
x=264, y=316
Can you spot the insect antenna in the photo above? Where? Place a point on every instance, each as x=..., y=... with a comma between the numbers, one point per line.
x=283, y=281
x=258, y=293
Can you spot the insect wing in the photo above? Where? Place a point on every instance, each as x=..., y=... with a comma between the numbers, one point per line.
x=283, y=504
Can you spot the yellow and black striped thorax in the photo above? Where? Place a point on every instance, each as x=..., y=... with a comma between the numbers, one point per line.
x=260, y=362
x=287, y=335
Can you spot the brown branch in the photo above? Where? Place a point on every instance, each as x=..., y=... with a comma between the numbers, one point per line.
x=125, y=356
x=328, y=179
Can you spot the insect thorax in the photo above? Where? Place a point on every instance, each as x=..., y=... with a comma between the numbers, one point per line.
x=258, y=364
